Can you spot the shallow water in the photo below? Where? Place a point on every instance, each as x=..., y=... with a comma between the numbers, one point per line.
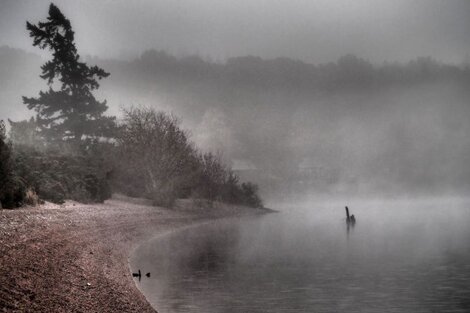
x=402, y=256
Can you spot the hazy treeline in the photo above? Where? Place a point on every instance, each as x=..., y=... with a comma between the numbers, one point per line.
x=347, y=125
x=348, y=71
x=157, y=70
x=344, y=126
x=148, y=155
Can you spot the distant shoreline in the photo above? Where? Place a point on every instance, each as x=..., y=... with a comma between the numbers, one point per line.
x=74, y=257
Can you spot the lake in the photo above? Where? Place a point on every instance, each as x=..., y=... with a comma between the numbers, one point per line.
x=402, y=256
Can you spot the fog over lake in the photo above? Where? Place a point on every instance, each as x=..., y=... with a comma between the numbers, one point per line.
x=401, y=256
x=321, y=104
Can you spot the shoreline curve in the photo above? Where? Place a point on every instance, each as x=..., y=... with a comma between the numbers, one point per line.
x=75, y=257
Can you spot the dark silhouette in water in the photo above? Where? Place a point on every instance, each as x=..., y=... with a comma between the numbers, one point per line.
x=350, y=219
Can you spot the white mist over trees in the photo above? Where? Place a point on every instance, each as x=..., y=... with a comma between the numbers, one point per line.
x=62, y=155
x=156, y=159
x=348, y=125
x=345, y=126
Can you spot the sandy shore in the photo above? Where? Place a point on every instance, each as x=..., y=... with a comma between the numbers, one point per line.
x=74, y=257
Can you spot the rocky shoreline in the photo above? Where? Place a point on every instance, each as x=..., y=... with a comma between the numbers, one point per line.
x=74, y=257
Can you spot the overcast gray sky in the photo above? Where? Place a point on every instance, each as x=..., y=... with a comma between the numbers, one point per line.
x=311, y=30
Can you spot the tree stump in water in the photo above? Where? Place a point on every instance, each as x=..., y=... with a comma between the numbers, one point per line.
x=350, y=219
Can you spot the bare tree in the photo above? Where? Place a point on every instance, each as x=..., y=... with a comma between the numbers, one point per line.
x=155, y=150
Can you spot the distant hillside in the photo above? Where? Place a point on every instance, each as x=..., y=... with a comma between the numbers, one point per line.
x=379, y=125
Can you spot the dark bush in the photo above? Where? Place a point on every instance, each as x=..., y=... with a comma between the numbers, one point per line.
x=12, y=188
x=56, y=177
x=156, y=160
x=250, y=195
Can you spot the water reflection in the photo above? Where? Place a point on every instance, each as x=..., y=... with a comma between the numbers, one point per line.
x=349, y=226
x=302, y=261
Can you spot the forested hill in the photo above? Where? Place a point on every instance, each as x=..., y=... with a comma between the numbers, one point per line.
x=347, y=72
x=394, y=123
x=157, y=69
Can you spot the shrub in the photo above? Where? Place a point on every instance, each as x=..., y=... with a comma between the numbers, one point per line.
x=56, y=177
x=12, y=188
x=156, y=160
x=250, y=195
x=31, y=197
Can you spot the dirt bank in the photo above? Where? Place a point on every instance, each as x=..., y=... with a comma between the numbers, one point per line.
x=73, y=257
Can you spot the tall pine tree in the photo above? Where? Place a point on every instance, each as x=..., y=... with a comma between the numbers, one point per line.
x=70, y=113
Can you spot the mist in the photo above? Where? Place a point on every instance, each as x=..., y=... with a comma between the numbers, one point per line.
x=296, y=128
x=238, y=133
x=318, y=31
x=306, y=97
x=305, y=259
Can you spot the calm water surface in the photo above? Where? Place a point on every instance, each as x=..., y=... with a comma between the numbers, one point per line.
x=402, y=256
